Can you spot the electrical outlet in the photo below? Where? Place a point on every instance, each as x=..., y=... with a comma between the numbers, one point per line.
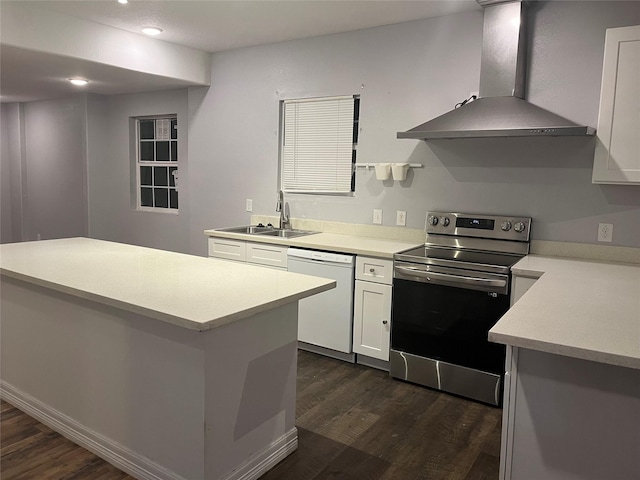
x=605, y=232
x=377, y=216
x=401, y=218
x=249, y=205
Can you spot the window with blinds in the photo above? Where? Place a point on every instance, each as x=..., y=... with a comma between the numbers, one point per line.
x=319, y=139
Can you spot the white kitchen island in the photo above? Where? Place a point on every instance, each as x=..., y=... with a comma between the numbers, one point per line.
x=572, y=387
x=167, y=365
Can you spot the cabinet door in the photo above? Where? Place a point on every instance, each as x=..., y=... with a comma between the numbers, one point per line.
x=372, y=319
x=617, y=154
x=267, y=254
x=227, y=249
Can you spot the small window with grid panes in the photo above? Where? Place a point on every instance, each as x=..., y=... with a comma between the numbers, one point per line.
x=157, y=163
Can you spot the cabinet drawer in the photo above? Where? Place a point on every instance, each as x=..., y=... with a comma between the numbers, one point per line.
x=374, y=270
x=227, y=249
x=266, y=254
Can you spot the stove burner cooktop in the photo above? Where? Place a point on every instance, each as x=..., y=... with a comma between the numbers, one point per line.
x=489, y=243
x=475, y=260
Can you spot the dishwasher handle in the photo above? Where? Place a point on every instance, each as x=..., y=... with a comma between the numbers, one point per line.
x=318, y=256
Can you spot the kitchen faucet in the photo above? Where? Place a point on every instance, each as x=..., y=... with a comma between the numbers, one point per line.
x=285, y=221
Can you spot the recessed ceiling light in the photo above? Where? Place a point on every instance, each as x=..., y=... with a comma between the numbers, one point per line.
x=123, y=2
x=152, y=30
x=80, y=82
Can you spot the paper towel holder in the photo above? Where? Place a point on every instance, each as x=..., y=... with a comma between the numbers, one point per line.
x=384, y=170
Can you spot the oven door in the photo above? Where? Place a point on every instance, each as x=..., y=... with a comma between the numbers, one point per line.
x=443, y=315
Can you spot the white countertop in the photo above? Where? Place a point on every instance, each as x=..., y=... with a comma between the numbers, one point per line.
x=580, y=309
x=334, y=242
x=189, y=291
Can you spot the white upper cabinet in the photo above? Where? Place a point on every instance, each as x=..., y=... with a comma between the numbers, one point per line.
x=617, y=154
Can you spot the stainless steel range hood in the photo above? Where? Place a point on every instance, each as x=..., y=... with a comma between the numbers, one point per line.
x=500, y=110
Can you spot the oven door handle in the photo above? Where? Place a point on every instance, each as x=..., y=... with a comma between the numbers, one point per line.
x=459, y=279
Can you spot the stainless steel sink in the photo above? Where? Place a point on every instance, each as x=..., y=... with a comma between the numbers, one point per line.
x=267, y=231
x=252, y=230
x=282, y=233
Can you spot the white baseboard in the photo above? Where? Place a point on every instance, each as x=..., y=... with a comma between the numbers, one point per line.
x=277, y=451
x=129, y=461
x=372, y=362
x=327, y=352
x=121, y=457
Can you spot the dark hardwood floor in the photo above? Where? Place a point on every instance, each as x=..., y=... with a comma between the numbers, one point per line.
x=354, y=423
x=30, y=450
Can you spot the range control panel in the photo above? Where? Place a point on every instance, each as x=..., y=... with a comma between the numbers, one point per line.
x=474, y=225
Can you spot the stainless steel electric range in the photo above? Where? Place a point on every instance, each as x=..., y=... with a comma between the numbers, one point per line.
x=447, y=294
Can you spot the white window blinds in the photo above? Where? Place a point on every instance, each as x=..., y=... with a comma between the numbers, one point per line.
x=317, y=149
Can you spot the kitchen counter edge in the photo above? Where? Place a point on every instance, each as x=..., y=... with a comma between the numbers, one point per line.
x=180, y=311
x=582, y=309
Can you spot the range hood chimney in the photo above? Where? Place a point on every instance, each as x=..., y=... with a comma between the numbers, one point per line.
x=500, y=110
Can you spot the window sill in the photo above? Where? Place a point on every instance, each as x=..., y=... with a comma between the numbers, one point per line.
x=163, y=211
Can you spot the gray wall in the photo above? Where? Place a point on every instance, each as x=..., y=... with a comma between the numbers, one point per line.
x=6, y=204
x=112, y=213
x=407, y=74
x=66, y=170
x=45, y=159
x=400, y=72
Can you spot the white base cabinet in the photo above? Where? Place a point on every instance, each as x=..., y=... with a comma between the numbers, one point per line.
x=372, y=292
x=228, y=249
x=263, y=254
x=372, y=307
x=567, y=419
x=268, y=255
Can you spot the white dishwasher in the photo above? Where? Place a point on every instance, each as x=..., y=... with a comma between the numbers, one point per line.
x=325, y=320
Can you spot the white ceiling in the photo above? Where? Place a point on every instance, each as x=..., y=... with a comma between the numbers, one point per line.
x=215, y=25
x=207, y=25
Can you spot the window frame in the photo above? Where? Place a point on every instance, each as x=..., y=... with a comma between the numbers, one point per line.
x=355, y=131
x=171, y=165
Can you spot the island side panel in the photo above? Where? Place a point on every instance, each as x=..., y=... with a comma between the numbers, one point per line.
x=574, y=418
x=251, y=394
x=131, y=384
